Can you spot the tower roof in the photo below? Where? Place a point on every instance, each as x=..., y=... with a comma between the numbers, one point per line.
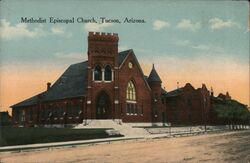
x=154, y=77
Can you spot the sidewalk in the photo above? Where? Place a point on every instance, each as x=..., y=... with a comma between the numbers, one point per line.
x=20, y=148
x=29, y=147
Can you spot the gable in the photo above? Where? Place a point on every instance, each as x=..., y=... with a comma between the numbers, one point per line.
x=131, y=56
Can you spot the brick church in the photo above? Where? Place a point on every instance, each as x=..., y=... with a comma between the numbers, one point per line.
x=109, y=85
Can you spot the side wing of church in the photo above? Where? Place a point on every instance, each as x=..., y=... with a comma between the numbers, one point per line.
x=109, y=85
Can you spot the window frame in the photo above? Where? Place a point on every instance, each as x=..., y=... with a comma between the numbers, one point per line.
x=131, y=92
x=106, y=71
x=96, y=71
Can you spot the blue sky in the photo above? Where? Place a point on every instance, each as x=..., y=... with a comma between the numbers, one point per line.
x=208, y=35
x=168, y=40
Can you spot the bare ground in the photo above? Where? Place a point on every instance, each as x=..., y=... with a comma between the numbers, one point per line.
x=219, y=147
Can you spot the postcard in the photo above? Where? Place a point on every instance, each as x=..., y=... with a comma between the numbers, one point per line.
x=98, y=81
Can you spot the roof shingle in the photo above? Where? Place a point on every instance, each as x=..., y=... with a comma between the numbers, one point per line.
x=72, y=83
x=154, y=77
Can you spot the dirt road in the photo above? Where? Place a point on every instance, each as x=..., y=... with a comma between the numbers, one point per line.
x=219, y=147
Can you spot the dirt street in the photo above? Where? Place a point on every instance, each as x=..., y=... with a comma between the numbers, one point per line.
x=219, y=147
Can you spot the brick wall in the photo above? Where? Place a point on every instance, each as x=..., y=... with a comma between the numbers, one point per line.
x=143, y=96
x=189, y=107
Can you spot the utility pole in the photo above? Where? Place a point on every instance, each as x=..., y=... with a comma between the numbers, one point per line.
x=204, y=113
x=204, y=117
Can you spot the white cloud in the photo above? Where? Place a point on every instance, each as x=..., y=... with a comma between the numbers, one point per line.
x=60, y=31
x=97, y=27
x=190, y=44
x=186, y=24
x=19, y=30
x=201, y=47
x=71, y=55
x=159, y=24
x=57, y=30
x=217, y=23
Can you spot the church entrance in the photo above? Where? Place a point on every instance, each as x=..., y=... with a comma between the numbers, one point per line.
x=103, y=106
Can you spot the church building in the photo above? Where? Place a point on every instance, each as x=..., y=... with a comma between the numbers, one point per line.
x=109, y=85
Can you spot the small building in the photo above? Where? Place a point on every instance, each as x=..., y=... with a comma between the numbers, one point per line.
x=188, y=106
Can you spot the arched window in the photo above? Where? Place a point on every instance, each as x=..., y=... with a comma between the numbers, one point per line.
x=131, y=99
x=130, y=93
x=98, y=73
x=108, y=73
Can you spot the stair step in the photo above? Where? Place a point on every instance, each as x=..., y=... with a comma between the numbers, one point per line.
x=117, y=126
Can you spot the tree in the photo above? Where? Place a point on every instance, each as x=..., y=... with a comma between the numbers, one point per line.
x=232, y=113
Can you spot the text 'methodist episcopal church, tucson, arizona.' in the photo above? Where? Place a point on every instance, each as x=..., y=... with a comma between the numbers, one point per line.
x=111, y=85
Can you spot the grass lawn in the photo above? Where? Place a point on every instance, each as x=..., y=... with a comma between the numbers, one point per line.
x=20, y=136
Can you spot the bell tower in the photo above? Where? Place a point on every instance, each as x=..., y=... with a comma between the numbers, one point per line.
x=102, y=72
x=102, y=44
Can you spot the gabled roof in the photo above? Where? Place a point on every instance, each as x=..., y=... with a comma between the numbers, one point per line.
x=72, y=83
x=123, y=55
x=30, y=101
x=173, y=93
x=154, y=77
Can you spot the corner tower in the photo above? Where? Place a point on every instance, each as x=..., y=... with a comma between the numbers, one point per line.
x=154, y=82
x=102, y=98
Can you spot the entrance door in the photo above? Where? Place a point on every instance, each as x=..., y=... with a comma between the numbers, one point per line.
x=103, y=107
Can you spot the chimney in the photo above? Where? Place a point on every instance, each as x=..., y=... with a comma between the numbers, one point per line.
x=228, y=97
x=48, y=85
x=212, y=92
